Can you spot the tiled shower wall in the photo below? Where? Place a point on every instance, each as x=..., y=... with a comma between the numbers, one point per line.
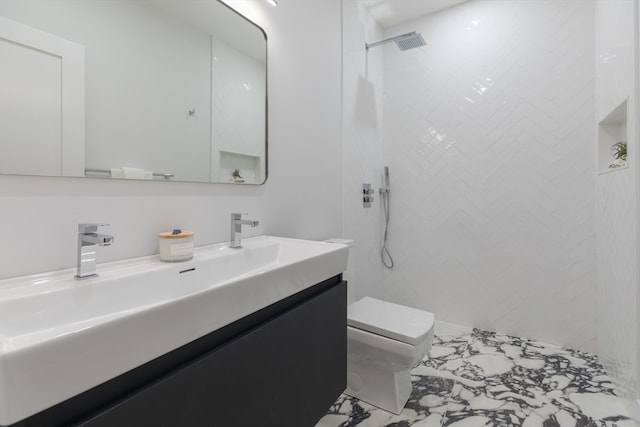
x=616, y=192
x=489, y=134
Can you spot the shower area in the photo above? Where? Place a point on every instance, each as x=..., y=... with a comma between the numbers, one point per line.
x=499, y=218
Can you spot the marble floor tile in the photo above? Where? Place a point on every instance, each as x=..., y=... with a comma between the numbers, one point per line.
x=485, y=405
x=447, y=353
x=480, y=378
x=511, y=381
x=425, y=408
x=554, y=416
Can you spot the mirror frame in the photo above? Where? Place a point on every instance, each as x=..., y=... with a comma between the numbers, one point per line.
x=266, y=97
x=266, y=125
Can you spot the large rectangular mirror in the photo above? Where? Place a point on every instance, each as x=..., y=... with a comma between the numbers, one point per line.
x=132, y=89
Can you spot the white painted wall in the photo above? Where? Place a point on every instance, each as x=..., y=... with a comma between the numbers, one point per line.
x=616, y=196
x=489, y=134
x=300, y=199
x=362, y=130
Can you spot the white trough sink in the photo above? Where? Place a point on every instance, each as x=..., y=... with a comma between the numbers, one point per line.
x=60, y=336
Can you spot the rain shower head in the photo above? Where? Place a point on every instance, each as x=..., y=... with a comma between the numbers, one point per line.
x=404, y=42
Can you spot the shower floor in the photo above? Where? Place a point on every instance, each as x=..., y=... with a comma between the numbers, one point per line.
x=480, y=378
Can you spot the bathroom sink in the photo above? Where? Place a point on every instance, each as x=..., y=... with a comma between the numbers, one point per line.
x=60, y=336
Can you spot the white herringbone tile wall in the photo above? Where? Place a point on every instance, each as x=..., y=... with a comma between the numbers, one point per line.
x=489, y=132
x=616, y=192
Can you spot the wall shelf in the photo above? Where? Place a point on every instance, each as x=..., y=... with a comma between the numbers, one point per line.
x=611, y=129
x=609, y=170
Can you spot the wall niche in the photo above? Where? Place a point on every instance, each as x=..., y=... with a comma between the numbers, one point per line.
x=611, y=130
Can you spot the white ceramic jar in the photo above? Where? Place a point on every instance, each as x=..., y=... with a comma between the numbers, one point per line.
x=176, y=245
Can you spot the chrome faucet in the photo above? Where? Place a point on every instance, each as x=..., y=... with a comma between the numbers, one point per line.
x=88, y=241
x=236, y=229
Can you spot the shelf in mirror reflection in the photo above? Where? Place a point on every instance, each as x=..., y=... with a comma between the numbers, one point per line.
x=240, y=168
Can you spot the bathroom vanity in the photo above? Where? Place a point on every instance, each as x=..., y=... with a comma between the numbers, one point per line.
x=281, y=364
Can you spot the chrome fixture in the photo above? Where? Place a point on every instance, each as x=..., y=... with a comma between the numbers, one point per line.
x=367, y=195
x=404, y=41
x=236, y=229
x=108, y=171
x=88, y=241
x=385, y=192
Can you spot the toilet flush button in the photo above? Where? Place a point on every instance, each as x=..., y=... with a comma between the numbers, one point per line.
x=354, y=382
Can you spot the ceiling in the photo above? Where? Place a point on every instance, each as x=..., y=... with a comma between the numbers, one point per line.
x=391, y=12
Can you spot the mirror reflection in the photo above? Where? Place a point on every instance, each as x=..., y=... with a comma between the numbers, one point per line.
x=132, y=89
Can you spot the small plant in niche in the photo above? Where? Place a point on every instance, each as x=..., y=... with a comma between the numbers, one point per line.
x=619, y=153
x=236, y=177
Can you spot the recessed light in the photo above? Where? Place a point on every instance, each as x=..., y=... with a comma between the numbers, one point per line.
x=273, y=2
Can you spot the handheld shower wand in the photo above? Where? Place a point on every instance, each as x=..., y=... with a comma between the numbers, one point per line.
x=387, y=187
x=385, y=192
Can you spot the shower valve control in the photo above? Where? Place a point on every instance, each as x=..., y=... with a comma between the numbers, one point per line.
x=367, y=195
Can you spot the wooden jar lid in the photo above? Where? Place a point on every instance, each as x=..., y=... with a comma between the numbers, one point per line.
x=170, y=235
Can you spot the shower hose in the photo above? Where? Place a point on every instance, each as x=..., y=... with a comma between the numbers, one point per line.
x=385, y=255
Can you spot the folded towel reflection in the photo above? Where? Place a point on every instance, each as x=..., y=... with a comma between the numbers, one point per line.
x=117, y=173
x=131, y=173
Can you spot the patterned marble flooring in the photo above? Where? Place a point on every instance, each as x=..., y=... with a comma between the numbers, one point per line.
x=476, y=378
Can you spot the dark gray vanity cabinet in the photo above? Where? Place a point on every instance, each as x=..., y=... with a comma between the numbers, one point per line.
x=281, y=366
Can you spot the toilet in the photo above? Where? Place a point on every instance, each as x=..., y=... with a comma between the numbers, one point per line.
x=384, y=342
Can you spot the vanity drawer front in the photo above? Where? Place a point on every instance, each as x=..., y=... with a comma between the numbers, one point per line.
x=284, y=372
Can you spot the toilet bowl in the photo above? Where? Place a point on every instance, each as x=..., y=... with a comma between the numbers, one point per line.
x=384, y=342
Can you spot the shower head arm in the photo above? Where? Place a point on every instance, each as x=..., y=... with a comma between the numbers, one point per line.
x=391, y=39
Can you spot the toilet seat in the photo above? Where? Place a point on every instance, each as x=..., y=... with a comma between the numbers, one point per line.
x=390, y=320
